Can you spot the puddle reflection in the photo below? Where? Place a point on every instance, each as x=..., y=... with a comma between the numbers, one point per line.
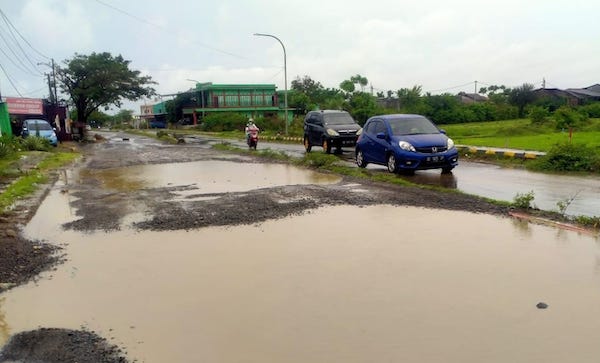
x=392, y=284
x=210, y=176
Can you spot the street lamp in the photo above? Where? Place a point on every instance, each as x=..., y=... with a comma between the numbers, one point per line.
x=284, y=76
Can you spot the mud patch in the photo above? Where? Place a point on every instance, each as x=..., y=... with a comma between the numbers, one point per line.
x=60, y=346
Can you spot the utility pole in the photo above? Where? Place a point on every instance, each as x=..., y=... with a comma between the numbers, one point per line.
x=475, y=87
x=52, y=83
x=52, y=99
x=54, y=79
x=544, y=83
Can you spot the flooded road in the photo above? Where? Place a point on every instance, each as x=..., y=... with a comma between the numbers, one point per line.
x=500, y=183
x=496, y=182
x=208, y=176
x=338, y=284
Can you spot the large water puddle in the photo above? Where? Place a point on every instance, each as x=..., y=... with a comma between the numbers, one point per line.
x=206, y=177
x=339, y=284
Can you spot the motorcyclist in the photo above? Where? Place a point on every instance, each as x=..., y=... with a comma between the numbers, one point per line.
x=250, y=128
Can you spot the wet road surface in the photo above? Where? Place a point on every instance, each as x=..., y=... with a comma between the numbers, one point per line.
x=337, y=284
x=495, y=182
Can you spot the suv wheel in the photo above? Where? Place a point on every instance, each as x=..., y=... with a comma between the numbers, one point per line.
x=391, y=163
x=360, y=159
x=326, y=146
x=307, y=145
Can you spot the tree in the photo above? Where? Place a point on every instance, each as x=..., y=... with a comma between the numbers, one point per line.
x=175, y=106
x=362, y=106
x=123, y=116
x=101, y=80
x=410, y=99
x=348, y=86
x=361, y=81
x=306, y=94
x=522, y=96
x=306, y=85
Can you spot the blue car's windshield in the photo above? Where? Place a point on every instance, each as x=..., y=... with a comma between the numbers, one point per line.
x=39, y=125
x=412, y=126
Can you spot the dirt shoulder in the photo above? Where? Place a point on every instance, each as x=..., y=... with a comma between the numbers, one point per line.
x=102, y=207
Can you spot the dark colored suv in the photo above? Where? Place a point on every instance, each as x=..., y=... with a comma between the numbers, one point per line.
x=330, y=128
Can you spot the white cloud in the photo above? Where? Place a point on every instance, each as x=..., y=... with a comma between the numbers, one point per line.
x=394, y=43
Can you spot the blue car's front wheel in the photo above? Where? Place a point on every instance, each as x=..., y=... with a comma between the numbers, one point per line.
x=360, y=159
x=391, y=164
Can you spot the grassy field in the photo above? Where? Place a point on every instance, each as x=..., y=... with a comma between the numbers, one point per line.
x=521, y=134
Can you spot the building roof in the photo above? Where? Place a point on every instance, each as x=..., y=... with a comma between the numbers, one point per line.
x=210, y=86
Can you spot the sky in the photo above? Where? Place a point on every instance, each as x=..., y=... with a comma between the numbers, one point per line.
x=443, y=46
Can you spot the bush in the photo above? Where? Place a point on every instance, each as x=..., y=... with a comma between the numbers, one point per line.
x=228, y=121
x=8, y=145
x=566, y=117
x=35, y=143
x=538, y=114
x=569, y=157
x=592, y=110
x=523, y=200
x=318, y=160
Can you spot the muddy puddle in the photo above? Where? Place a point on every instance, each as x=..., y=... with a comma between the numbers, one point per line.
x=210, y=176
x=339, y=284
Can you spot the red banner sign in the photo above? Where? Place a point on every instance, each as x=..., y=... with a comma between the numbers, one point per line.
x=24, y=106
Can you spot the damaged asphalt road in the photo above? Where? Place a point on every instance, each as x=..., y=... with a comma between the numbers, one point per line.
x=102, y=207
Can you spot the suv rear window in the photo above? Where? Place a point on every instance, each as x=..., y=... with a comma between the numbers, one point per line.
x=338, y=119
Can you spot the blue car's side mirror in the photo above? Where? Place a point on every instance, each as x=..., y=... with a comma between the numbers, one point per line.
x=442, y=131
x=381, y=135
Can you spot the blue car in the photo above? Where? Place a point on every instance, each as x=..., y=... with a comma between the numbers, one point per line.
x=41, y=128
x=405, y=143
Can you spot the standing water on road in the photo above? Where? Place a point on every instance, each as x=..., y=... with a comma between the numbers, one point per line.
x=338, y=284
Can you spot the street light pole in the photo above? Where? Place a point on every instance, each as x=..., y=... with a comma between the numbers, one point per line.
x=284, y=76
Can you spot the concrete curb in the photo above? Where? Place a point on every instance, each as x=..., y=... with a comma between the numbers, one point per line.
x=509, y=153
x=282, y=138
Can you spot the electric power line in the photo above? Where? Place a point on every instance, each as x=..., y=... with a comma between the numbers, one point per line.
x=165, y=29
x=15, y=40
x=10, y=80
x=21, y=67
x=454, y=87
x=22, y=37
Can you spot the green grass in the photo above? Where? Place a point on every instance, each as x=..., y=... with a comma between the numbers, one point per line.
x=520, y=134
x=28, y=182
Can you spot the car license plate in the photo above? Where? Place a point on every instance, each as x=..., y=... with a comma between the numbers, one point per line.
x=435, y=159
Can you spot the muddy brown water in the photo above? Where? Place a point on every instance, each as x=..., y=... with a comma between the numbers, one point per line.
x=338, y=284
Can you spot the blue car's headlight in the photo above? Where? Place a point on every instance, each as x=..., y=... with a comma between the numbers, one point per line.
x=450, y=144
x=406, y=146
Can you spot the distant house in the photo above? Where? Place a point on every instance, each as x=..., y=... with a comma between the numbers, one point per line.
x=469, y=98
x=573, y=96
x=588, y=93
x=153, y=116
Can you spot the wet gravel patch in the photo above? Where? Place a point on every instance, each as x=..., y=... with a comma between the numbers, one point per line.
x=48, y=345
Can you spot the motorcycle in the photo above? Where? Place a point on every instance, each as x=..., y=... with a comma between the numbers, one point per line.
x=252, y=139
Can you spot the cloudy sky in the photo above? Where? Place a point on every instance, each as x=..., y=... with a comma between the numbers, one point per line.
x=444, y=46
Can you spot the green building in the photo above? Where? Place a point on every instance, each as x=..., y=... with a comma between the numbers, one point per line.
x=252, y=100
